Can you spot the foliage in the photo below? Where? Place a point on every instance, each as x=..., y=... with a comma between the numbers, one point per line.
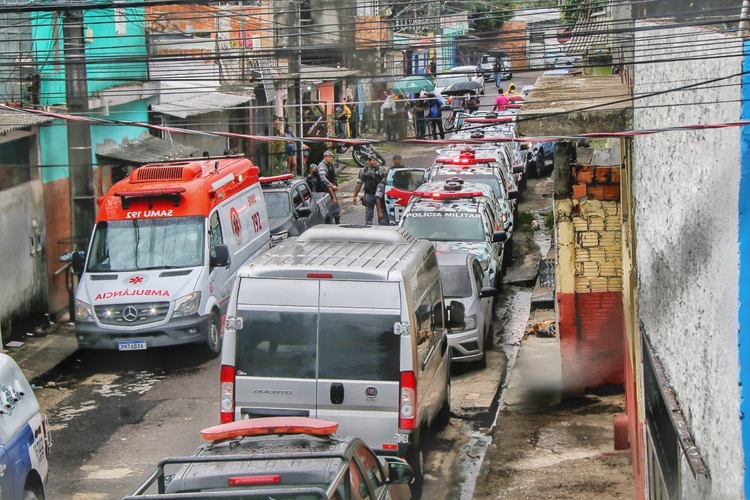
x=486, y=15
x=575, y=10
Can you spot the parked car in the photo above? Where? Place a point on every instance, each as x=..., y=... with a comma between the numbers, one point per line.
x=526, y=90
x=473, y=72
x=24, y=437
x=460, y=216
x=539, y=154
x=399, y=186
x=464, y=281
x=293, y=207
x=289, y=458
x=445, y=80
x=487, y=64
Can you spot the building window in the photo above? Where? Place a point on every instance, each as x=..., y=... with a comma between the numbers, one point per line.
x=536, y=36
x=14, y=163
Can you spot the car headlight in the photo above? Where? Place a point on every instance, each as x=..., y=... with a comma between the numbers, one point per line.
x=484, y=263
x=187, y=305
x=84, y=312
x=470, y=322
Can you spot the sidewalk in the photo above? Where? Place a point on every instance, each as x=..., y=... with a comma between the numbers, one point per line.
x=544, y=446
x=44, y=350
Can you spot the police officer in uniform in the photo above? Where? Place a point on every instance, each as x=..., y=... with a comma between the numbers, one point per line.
x=327, y=169
x=369, y=178
x=319, y=184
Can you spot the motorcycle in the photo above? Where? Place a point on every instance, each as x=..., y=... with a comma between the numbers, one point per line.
x=360, y=153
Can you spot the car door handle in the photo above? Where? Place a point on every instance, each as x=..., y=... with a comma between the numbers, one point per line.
x=337, y=393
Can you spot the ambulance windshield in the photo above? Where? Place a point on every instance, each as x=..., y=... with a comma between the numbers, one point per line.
x=162, y=243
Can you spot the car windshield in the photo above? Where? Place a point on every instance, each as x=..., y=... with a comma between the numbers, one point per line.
x=129, y=245
x=277, y=203
x=456, y=281
x=446, y=81
x=449, y=226
x=408, y=180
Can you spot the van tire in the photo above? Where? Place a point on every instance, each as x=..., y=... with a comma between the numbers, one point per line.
x=213, y=340
x=415, y=458
x=444, y=414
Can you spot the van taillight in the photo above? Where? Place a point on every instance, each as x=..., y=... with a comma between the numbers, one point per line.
x=407, y=411
x=227, y=394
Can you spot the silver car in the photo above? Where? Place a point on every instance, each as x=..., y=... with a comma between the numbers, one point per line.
x=464, y=282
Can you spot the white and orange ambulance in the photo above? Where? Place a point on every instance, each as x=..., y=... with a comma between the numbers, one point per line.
x=164, y=253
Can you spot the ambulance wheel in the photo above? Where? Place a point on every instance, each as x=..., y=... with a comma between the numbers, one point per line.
x=213, y=341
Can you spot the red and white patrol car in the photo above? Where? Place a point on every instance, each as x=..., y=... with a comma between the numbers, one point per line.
x=164, y=252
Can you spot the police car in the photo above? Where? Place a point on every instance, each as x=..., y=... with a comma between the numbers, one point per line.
x=503, y=129
x=463, y=217
x=24, y=437
x=280, y=458
x=483, y=168
x=399, y=186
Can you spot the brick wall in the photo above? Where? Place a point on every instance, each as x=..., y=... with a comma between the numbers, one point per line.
x=589, y=278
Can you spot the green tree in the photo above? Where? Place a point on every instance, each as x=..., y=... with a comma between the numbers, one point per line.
x=488, y=15
x=575, y=10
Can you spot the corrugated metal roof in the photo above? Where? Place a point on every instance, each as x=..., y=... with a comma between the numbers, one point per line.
x=145, y=149
x=12, y=120
x=536, y=15
x=594, y=31
x=201, y=104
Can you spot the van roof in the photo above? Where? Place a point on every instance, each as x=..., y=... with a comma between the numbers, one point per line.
x=345, y=256
x=181, y=188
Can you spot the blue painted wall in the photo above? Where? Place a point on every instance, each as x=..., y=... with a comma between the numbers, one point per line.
x=744, y=259
x=112, y=58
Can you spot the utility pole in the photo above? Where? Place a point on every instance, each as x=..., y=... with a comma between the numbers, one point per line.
x=295, y=66
x=82, y=203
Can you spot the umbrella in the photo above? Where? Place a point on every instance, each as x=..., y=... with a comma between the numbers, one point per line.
x=413, y=84
x=462, y=87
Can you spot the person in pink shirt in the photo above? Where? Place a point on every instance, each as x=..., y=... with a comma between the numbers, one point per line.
x=501, y=102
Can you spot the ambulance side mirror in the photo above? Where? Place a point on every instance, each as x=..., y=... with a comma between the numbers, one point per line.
x=221, y=256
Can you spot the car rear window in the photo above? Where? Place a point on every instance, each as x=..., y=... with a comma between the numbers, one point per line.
x=408, y=180
x=456, y=281
x=490, y=180
x=359, y=346
x=277, y=343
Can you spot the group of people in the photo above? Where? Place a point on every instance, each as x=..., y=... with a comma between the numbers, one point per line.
x=425, y=109
x=503, y=99
x=323, y=178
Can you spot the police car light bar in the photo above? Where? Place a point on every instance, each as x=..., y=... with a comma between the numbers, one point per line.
x=502, y=119
x=275, y=178
x=463, y=160
x=448, y=196
x=270, y=425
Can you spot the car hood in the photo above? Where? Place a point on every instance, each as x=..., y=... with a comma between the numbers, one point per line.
x=481, y=249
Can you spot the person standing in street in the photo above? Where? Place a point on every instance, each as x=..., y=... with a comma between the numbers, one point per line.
x=291, y=151
x=501, y=102
x=383, y=216
x=397, y=161
x=387, y=115
x=435, y=112
x=353, y=117
x=497, y=69
x=368, y=180
x=327, y=170
x=418, y=106
x=319, y=184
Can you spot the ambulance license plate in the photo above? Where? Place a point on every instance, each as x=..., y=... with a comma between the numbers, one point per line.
x=131, y=345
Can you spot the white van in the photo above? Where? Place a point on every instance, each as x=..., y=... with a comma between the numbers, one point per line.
x=164, y=253
x=343, y=324
x=24, y=437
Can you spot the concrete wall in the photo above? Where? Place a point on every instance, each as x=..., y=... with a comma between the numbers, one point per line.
x=685, y=187
x=22, y=272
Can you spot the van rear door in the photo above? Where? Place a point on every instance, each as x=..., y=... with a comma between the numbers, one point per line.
x=276, y=350
x=359, y=359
